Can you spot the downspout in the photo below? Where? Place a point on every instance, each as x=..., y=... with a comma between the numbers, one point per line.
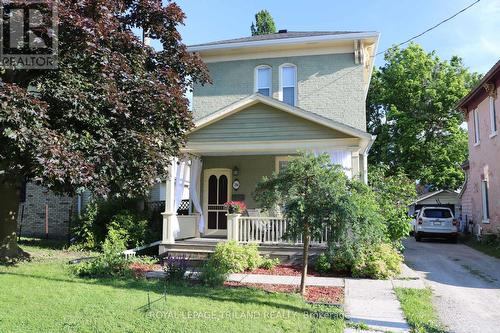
x=365, y=158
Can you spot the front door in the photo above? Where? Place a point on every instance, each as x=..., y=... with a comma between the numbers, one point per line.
x=216, y=193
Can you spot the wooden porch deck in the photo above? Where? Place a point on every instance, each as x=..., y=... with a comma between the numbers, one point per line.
x=200, y=248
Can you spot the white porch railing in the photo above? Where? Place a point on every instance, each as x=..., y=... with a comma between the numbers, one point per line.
x=264, y=230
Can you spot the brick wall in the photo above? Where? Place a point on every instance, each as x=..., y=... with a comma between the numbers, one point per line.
x=33, y=218
x=330, y=85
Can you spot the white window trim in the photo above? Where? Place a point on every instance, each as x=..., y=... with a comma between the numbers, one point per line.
x=256, y=79
x=280, y=95
x=477, y=133
x=493, y=115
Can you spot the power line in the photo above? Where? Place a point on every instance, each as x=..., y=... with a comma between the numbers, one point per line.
x=431, y=28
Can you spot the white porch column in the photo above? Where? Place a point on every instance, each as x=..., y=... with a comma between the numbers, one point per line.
x=233, y=226
x=168, y=229
x=365, y=168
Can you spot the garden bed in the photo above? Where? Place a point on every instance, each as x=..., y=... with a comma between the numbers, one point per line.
x=295, y=270
x=314, y=294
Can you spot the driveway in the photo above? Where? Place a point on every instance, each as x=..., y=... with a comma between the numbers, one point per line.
x=465, y=283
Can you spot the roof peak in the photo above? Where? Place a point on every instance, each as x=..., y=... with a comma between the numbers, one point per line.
x=282, y=34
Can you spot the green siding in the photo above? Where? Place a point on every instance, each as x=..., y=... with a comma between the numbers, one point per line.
x=261, y=122
x=330, y=85
x=252, y=169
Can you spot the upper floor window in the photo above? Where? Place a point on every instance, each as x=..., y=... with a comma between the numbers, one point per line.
x=263, y=80
x=288, y=84
x=493, y=116
x=475, y=116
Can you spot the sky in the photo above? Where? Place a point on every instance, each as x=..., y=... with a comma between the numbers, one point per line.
x=473, y=35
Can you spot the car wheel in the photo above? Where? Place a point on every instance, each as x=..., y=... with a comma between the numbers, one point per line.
x=454, y=240
x=418, y=238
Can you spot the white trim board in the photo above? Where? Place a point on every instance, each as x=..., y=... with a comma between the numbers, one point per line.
x=269, y=147
x=284, y=41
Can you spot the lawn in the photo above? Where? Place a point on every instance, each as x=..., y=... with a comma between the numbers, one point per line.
x=491, y=249
x=44, y=296
x=419, y=311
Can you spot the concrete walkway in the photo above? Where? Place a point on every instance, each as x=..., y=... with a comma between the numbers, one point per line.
x=285, y=279
x=371, y=302
x=374, y=303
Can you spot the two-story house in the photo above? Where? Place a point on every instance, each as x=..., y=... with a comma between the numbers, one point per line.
x=272, y=95
x=481, y=193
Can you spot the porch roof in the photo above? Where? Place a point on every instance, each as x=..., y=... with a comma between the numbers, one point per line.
x=322, y=132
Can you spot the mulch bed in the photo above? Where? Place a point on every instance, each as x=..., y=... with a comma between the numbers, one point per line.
x=140, y=269
x=295, y=270
x=314, y=294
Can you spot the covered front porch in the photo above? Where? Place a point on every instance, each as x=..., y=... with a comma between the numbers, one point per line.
x=229, y=152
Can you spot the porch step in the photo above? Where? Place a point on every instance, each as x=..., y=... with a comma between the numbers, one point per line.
x=200, y=252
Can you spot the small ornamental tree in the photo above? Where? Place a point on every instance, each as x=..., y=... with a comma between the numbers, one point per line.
x=264, y=24
x=313, y=194
x=394, y=193
x=111, y=116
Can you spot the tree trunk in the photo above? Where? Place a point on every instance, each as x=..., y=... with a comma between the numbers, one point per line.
x=9, y=205
x=305, y=261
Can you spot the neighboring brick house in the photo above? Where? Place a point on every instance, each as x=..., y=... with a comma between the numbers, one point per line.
x=482, y=192
x=42, y=213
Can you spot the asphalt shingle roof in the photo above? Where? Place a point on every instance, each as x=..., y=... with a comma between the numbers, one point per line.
x=282, y=35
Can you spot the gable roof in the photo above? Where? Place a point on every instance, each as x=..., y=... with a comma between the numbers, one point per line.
x=490, y=75
x=255, y=98
x=431, y=194
x=288, y=37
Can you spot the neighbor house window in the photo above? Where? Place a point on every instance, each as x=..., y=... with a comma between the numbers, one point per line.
x=263, y=80
x=288, y=84
x=486, y=206
x=281, y=163
x=493, y=116
x=475, y=116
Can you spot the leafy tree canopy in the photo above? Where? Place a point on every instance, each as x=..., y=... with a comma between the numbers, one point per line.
x=411, y=108
x=264, y=24
x=109, y=118
x=113, y=113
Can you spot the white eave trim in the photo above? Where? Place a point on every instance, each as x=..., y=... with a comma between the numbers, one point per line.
x=268, y=147
x=284, y=41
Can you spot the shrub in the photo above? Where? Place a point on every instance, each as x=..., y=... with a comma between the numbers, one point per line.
x=395, y=192
x=235, y=258
x=268, y=263
x=381, y=261
x=253, y=258
x=211, y=275
x=175, y=267
x=111, y=262
x=91, y=228
x=134, y=225
x=230, y=257
x=322, y=264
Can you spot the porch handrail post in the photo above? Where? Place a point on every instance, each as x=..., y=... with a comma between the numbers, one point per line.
x=168, y=229
x=233, y=226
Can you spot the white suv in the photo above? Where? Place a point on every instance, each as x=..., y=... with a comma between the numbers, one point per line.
x=436, y=222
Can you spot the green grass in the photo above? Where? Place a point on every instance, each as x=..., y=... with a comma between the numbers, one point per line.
x=419, y=311
x=489, y=249
x=43, y=296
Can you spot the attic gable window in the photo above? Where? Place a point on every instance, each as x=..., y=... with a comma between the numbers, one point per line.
x=288, y=84
x=263, y=80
